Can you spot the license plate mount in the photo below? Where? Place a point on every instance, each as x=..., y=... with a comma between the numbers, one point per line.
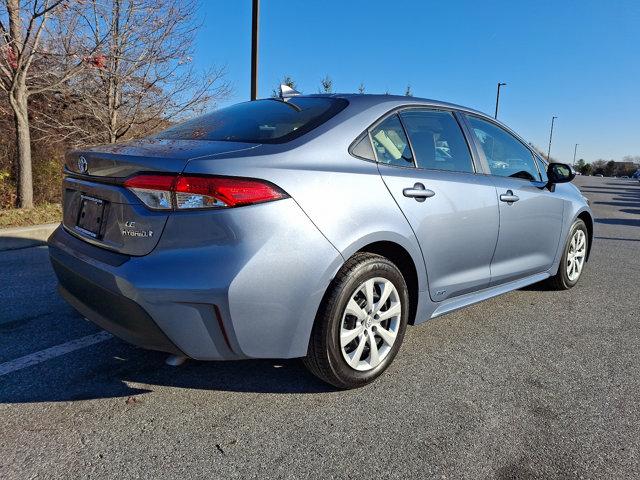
x=91, y=216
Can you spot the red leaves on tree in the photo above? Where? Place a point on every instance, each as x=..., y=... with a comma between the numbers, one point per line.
x=97, y=61
x=11, y=57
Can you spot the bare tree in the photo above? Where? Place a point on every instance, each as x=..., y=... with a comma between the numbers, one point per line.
x=143, y=77
x=26, y=69
x=361, y=88
x=408, y=92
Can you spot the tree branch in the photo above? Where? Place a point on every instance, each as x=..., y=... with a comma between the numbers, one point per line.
x=5, y=34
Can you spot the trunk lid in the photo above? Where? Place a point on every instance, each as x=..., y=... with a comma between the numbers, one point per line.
x=119, y=161
x=98, y=209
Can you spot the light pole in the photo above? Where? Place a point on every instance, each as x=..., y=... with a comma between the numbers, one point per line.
x=575, y=149
x=498, y=98
x=255, y=14
x=553, y=119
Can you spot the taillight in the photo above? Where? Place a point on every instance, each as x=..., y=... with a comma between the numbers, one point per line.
x=153, y=190
x=165, y=192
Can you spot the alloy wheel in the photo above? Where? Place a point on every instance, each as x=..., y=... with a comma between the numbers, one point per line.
x=370, y=324
x=576, y=255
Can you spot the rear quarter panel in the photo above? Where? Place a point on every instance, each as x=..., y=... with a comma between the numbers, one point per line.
x=344, y=197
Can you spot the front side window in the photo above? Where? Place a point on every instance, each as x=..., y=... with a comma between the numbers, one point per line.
x=542, y=166
x=390, y=143
x=506, y=155
x=437, y=140
x=260, y=121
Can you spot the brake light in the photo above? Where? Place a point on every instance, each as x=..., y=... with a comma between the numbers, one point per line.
x=166, y=192
x=223, y=192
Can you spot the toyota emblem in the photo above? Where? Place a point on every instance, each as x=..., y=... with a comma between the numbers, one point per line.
x=83, y=167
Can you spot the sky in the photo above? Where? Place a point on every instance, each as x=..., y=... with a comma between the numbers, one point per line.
x=577, y=60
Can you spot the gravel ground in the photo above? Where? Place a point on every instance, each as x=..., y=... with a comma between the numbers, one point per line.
x=532, y=384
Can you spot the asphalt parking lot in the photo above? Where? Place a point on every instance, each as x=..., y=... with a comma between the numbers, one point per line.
x=533, y=384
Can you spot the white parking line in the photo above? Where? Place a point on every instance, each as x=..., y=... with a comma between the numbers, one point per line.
x=52, y=352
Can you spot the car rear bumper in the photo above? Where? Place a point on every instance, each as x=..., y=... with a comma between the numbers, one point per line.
x=110, y=310
x=241, y=284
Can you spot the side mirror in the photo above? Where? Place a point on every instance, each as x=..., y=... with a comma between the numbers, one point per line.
x=560, y=173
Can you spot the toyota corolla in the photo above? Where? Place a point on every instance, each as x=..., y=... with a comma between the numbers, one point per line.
x=312, y=226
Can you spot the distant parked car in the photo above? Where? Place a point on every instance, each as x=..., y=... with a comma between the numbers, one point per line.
x=599, y=175
x=312, y=226
x=625, y=176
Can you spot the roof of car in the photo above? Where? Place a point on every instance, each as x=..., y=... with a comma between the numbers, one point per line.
x=363, y=101
x=368, y=99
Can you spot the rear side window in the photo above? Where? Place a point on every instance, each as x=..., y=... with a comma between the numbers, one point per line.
x=260, y=121
x=437, y=140
x=390, y=143
x=363, y=149
x=506, y=155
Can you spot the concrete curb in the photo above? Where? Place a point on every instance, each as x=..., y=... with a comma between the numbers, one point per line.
x=23, y=237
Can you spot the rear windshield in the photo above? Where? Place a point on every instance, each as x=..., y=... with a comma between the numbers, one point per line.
x=261, y=121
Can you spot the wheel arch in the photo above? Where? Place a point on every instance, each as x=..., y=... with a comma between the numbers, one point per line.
x=406, y=254
x=405, y=263
x=586, y=217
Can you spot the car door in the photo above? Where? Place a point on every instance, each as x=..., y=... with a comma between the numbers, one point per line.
x=530, y=214
x=452, y=210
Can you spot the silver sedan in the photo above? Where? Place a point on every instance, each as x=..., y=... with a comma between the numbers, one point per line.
x=312, y=226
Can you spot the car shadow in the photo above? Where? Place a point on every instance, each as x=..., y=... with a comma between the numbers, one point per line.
x=615, y=187
x=631, y=222
x=252, y=376
x=622, y=239
x=621, y=203
x=537, y=287
x=622, y=200
x=632, y=194
x=17, y=243
x=623, y=181
x=118, y=369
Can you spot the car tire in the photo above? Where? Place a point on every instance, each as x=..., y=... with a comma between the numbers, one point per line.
x=573, y=254
x=355, y=336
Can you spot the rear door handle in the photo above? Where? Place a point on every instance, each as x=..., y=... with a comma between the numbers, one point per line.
x=509, y=197
x=418, y=192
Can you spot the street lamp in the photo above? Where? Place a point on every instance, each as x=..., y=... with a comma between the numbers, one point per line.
x=498, y=99
x=553, y=119
x=575, y=149
x=255, y=14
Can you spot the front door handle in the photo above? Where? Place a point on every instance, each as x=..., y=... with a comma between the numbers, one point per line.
x=509, y=197
x=418, y=192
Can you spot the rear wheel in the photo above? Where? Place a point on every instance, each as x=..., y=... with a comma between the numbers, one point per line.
x=360, y=324
x=573, y=258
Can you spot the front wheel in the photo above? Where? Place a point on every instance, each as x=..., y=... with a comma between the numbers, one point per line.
x=360, y=324
x=573, y=259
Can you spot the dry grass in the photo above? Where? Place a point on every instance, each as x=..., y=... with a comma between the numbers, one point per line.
x=19, y=217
